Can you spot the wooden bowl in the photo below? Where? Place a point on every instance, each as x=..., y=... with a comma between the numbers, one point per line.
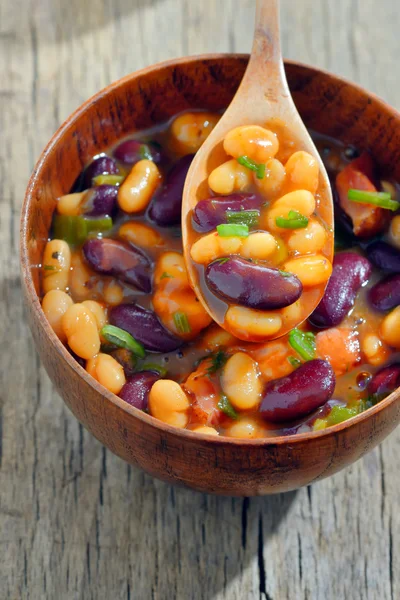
x=223, y=465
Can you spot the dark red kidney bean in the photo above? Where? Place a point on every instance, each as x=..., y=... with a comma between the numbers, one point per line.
x=137, y=388
x=126, y=359
x=385, y=294
x=320, y=413
x=384, y=256
x=131, y=151
x=101, y=201
x=122, y=260
x=165, y=209
x=298, y=394
x=350, y=272
x=209, y=213
x=103, y=165
x=385, y=381
x=145, y=327
x=249, y=284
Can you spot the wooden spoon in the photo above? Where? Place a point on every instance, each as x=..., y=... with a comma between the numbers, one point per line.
x=263, y=98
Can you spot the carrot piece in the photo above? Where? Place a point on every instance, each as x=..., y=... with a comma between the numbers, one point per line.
x=367, y=219
x=340, y=346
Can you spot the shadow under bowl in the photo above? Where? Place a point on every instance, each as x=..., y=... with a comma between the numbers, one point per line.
x=327, y=104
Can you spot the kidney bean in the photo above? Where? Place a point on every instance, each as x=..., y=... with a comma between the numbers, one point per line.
x=131, y=151
x=350, y=272
x=145, y=327
x=99, y=166
x=320, y=413
x=165, y=208
x=100, y=201
x=384, y=256
x=298, y=394
x=124, y=261
x=209, y=213
x=385, y=381
x=385, y=294
x=136, y=390
x=248, y=284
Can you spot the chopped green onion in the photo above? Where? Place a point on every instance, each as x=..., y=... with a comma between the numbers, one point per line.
x=122, y=339
x=320, y=424
x=181, y=322
x=166, y=275
x=76, y=230
x=381, y=199
x=294, y=220
x=303, y=343
x=92, y=225
x=233, y=230
x=226, y=407
x=339, y=414
x=258, y=168
x=284, y=273
x=260, y=173
x=51, y=268
x=295, y=362
x=108, y=179
x=245, y=217
x=162, y=371
x=144, y=152
x=218, y=360
x=223, y=260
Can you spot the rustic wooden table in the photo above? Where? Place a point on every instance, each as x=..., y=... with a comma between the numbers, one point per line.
x=75, y=521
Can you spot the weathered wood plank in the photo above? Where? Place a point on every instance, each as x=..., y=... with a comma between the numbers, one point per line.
x=76, y=522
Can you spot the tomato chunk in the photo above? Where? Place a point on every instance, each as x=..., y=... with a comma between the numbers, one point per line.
x=367, y=219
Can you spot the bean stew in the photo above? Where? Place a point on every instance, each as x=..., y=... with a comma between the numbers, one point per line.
x=116, y=291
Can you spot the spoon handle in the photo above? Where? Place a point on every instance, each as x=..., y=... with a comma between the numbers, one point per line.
x=265, y=79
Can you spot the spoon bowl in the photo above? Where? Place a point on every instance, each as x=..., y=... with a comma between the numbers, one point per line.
x=263, y=98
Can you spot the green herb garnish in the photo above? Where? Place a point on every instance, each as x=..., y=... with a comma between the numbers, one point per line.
x=339, y=414
x=166, y=275
x=108, y=179
x=223, y=260
x=294, y=220
x=181, y=322
x=284, y=273
x=381, y=199
x=144, y=152
x=245, y=217
x=51, y=268
x=218, y=360
x=226, y=407
x=303, y=343
x=233, y=230
x=258, y=168
x=122, y=339
x=162, y=371
x=295, y=362
x=75, y=230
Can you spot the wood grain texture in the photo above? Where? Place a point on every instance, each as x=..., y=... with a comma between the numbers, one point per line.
x=75, y=521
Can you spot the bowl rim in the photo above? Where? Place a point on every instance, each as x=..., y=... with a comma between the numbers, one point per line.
x=61, y=350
